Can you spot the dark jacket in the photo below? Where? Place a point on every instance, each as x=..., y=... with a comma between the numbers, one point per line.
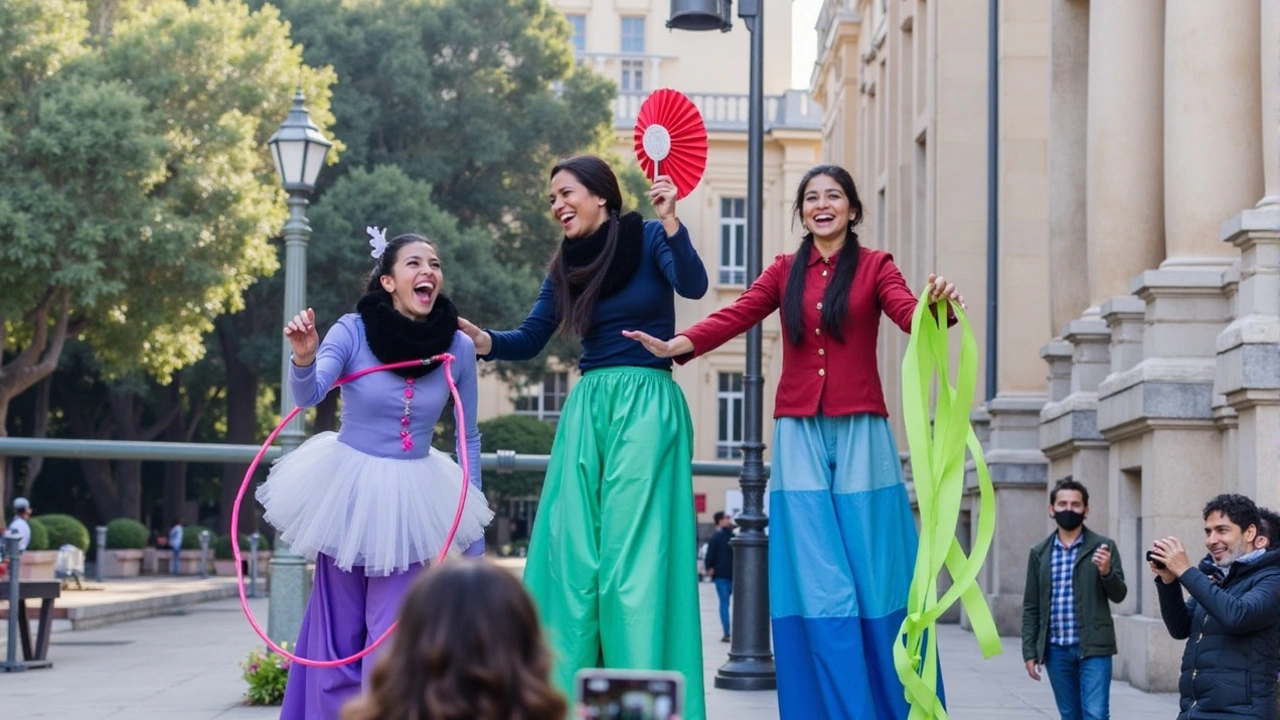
x=1233, y=655
x=1090, y=593
x=719, y=557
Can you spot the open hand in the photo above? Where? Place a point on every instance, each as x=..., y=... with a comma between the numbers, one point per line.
x=678, y=345
x=303, y=338
x=483, y=340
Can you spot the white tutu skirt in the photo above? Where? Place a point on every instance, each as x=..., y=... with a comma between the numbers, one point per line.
x=384, y=514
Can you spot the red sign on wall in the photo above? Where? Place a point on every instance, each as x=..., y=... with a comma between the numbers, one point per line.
x=700, y=502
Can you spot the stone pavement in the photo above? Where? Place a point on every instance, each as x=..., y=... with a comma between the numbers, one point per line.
x=184, y=665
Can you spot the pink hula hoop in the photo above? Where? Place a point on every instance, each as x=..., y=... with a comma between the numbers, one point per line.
x=447, y=360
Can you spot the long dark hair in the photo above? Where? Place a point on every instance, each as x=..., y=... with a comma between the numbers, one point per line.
x=835, y=302
x=575, y=312
x=387, y=263
x=468, y=648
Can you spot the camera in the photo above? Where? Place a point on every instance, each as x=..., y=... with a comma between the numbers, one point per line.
x=1151, y=558
x=629, y=694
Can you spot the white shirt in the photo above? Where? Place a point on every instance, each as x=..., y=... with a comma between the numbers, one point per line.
x=23, y=528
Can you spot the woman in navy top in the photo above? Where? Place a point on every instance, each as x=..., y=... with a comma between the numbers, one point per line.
x=612, y=558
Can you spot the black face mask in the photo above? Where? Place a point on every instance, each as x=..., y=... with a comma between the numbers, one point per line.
x=1068, y=519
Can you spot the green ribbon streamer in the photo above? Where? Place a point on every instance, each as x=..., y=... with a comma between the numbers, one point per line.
x=937, y=464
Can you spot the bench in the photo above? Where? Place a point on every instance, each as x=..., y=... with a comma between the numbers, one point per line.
x=46, y=591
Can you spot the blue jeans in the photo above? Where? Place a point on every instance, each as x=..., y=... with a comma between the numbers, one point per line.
x=724, y=588
x=173, y=566
x=1081, y=686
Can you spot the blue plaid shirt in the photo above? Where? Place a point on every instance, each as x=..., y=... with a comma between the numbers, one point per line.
x=1064, y=631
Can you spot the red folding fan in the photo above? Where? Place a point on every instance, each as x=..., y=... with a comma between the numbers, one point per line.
x=671, y=139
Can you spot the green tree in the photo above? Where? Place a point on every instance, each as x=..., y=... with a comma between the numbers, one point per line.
x=139, y=201
x=525, y=435
x=477, y=98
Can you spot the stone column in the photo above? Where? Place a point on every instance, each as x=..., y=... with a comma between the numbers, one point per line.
x=1068, y=120
x=1270, y=102
x=1213, y=113
x=1124, y=213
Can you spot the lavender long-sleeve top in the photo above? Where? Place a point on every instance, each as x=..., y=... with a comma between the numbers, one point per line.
x=372, y=406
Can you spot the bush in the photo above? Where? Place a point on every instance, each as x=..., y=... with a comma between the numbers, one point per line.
x=191, y=537
x=126, y=534
x=65, y=530
x=266, y=673
x=525, y=435
x=39, y=535
x=222, y=547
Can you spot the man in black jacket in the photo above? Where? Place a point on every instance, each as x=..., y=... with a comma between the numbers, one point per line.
x=719, y=566
x=1232, y=658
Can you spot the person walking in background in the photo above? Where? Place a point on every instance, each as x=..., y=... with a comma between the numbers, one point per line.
x=175, y=545
x=1066, y=621
x=719, y=566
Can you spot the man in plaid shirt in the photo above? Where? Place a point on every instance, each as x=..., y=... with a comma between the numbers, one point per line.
x=1066, y=620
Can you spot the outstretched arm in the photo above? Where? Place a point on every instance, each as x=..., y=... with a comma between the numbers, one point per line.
x=525, y=341
x=722, y=325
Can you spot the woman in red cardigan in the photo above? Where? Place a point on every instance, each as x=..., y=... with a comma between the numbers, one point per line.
x=843, y=535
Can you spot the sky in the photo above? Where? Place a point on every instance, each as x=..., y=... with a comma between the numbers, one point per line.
x=804, y=46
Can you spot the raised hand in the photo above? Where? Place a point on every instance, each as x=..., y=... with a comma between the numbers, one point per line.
x=663, y=196
x=303, y=338
x=483, y=340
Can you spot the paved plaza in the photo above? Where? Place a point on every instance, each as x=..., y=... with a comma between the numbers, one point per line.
x=183, y=664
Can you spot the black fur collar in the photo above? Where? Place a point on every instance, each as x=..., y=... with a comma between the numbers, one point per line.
x=394, y=337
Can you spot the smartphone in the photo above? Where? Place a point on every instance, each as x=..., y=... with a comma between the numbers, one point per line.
x=1151, y=558
x=629, y=694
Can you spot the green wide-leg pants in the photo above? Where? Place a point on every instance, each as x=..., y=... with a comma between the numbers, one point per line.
x=612, y=560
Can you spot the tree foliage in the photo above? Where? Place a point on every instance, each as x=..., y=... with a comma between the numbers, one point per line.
x=525, y=435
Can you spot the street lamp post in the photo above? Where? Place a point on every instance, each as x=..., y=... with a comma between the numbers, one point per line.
x=298, y=149
x=750, y=665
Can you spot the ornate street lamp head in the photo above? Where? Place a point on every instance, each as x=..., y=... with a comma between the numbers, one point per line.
x=701, y=15
x=298, y=148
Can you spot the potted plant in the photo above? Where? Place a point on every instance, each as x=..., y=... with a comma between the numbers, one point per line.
x=62, y=530
x=39, y=560
x=122, y=556
x=224, y=562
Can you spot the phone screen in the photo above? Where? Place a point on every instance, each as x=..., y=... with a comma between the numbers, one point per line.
x=629, y=694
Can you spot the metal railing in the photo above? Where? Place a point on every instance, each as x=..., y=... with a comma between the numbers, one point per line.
x=726, y=112
x=502, y=461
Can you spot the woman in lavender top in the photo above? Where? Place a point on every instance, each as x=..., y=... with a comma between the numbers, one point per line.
x=372, y=503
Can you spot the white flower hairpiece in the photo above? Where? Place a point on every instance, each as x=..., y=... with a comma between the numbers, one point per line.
x=378, y=240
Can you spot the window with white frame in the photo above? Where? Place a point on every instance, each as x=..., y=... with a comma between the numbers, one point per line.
x=633, y=35
x=733, y=241
x=633, y=75
x=730, y=398
x=546, y=400
x=579, y=37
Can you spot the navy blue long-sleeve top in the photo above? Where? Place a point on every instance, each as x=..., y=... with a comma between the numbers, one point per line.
x=647, y=302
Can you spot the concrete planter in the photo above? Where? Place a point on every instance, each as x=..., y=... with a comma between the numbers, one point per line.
x=39, y=564
x=122, y=563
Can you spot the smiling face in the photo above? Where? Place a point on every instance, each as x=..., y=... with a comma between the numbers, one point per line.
x=1225, y=540
x=579, y=211
x=825, y=208
x=415, y=280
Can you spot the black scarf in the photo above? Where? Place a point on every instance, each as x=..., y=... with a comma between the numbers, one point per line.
x=393, y=337
x=626, y=256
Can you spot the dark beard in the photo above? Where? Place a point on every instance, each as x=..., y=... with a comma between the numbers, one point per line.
x=394, y=337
